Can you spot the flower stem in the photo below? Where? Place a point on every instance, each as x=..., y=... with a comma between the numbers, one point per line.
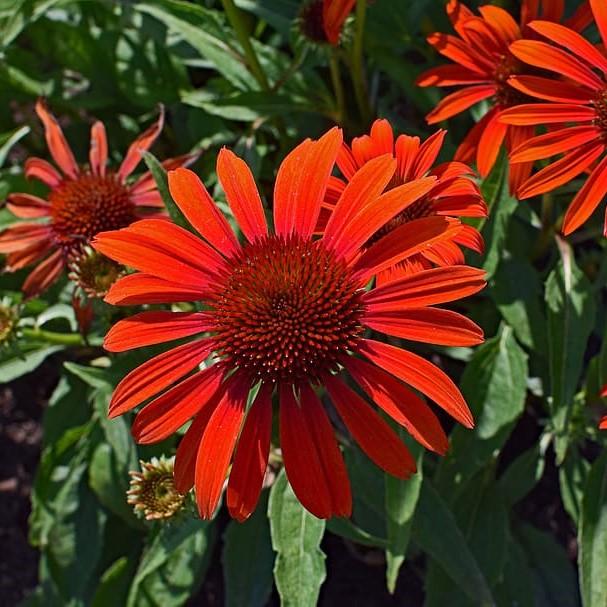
x=50, y=337
x=338, y=88
x=358, y=75
x=235, y=18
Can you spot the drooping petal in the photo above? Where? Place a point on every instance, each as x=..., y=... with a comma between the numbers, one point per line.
x=44, y=275
x=334, y=14
x=153, y=327
x=27, y=205
x=404, y=241
x=301, y=183
x=599, y=10
x=422, y=375
x=427, y=325
x=449, y=75
x=156, y=374
x=139, y=288
x=587, y=199
x=562, y=171
x=490, y=144
x=217, y=445
x=22, y=236
x=36, y=168
x=445, y=253
x=57, y=143
x=402, y=405
x=426, y=288
x=313, y=463
x=466, y=151
x=471, y=238
x=166, y=414
x=251, y=457
x=555, y=142
x=543, y=55
x=200, y=210
x=237, y=182
x=143, y=143
x=98, y=151
x=461, y=100
x=370, y=431
x=458, y=51
x=24, y=257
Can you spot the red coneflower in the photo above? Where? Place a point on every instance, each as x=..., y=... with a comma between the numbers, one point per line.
x=322, y=20
x=484, y=65
x=81, y=201
x=286, y=312
x=453, y=193
x=578, y=98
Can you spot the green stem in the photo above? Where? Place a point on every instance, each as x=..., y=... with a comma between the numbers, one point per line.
x=548, y=229
x=338, y=88
x=358, y=74
x=50, y=337
x=235, y=18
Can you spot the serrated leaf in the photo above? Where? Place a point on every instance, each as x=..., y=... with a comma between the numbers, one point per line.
x=248, y=581
x=296, y=535
x=592, y=536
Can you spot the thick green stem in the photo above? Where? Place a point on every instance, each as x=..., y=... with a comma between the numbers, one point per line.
x=338, y=88
x=235, y=18
x=50, y=337
x=358, y=73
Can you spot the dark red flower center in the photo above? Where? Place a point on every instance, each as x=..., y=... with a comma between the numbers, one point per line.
x=83, y=207
x=505, y=95
x=312, y=21
x=287, y=311
x=600, y=106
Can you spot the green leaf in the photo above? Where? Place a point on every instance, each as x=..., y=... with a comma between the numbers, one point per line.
x=592, y=536
x=174, y=564
x=114, y=584
x=347, y=529
x=436, y=531
x=15, y=363
x=162, y=183
x=8, y=140
x=248, y=559
x=495, y=385
x=523, y=473
x=571, y=310
x=572, y=480
x=501, y=207
x=401, y=500
x=296, y=535
x=517, y=585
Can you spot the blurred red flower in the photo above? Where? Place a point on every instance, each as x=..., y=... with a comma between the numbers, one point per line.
x=80, y=203
x=578, y=98
x=286, y=312
x=323, y=20
x=453, y=193
x=483, y=67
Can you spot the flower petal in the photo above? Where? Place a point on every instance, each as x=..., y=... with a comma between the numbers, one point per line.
x=56, y=141
x=139, y=288
x=599, y=10
x=490, y=144
x=36, y=168
x=402, y=405
x=370, y=431
x=23, y=236
x=143, y=143
x=547, y=113
x=550, y=90
x=301, y=184
x=313, y=463
x=251, y=457
x=237, y=182
x=422, y=375
x=449, y=75
x=98, y=151
x=27, y=205
x=334, y=14
x=461, y=100
x=156, y=374
x=153, y=327
x=44, y=275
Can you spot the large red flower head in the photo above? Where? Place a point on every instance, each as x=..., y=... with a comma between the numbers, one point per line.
x=322, y=20
x=483, y=66
x=286, y=313
x=576, y=97
x=81, y=201
x=452, y=192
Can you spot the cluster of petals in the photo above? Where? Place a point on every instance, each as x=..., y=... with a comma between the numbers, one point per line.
x=445, y=189
x=483, y=65
x=81, y=201
x=268, y=326
x=574, y=109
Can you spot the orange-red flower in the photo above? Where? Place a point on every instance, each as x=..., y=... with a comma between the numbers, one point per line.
x=81, y=201
x=603, y=422
x=322, y=20
x=452, y=193
x=286, y=312
x=577, y=98
x=483, y=66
